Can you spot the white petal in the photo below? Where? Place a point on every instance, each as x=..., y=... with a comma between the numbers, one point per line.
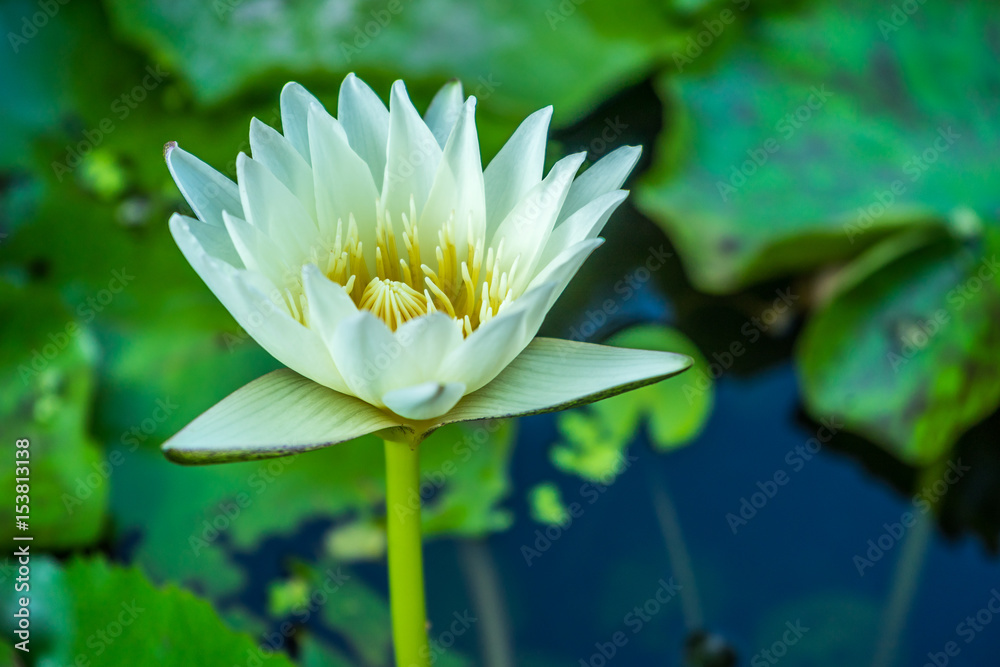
x=585, y=224
x=277, y=414
x=494, y=344
x=294, y=104
x=606, y=175
x=424, y=401
x=329, y=304
x=526, y=228
x=426, y=341
x=563, y=267
x=413, y=155
x=276, y=153
x=256, y=250
x=274, y=210
x=365, y=352
x=259, y=307
x=458, y=186
x=366, y=122
x=343, y=182
x=214, y=240
x=444, y=110
x=206, y=191
x=374, y=361
x=516, y=168
x=555, y=374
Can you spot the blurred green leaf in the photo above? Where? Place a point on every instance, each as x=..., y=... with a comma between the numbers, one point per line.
x=783, y=163
x=115, y=616
x=45, y=395
x=907, y=354
x=355, y=611
x=211, y=511
x=547, y=505
x=159, y=378
x=595, y=437
x=361, y=539
x=574, y=52
x=468, y=463
x=829, y=615
x=50, y=624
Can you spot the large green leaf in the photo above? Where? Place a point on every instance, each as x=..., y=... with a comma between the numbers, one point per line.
x=207, y=513
x=594, y=438
x=114, y=616
x=823, y=132
x=907, y=352
x=46, y=390
x=469, y=464
x=574, y=52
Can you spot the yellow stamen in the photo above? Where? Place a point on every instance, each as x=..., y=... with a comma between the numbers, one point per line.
x=468, y=284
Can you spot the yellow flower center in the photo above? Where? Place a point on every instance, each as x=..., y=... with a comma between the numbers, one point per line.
x=466, y=284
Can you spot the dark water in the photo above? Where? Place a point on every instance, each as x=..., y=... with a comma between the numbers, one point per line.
x=791, y=563
x=798, y=583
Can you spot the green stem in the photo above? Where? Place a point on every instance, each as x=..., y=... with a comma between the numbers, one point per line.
x=406, y=570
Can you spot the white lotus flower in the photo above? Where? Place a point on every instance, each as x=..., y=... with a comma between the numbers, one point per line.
x=400, y=282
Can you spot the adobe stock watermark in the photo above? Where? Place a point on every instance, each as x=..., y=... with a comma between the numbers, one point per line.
x=431, y=482
x=773, y=654
x=562, y=12
x=31, y=24
x=272, y=642
x=372, y=28
x=228, y=511
x=923, y=501
x=86, y=311
x=634, y=621
x=914, y=168
x=101, y=640
x=898, y=17
x=699, y=380
x=612, y=129
x=627, y=287
x=796, y=459
x=915, y=336
x=704, y=38
x=440, y=644
x=121, y=107
x=967, y=630
x=102, y=470
x=590, y=493
x=786, y=127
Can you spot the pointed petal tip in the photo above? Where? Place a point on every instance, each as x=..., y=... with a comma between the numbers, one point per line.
x=424, y=401
x=168, y=148
x=179, y=456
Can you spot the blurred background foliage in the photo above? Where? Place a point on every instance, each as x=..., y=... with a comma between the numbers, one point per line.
x=814, y=220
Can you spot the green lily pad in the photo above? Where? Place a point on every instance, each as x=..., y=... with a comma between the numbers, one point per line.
x=45, y=396
x=211, y=511
x=575, y=52
x=159, y=378
x=215, y=510
x=547, y=505
x=784, y=162
x=594, y=438
x=114, y=616
x=906, y=354
x=469, y=464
